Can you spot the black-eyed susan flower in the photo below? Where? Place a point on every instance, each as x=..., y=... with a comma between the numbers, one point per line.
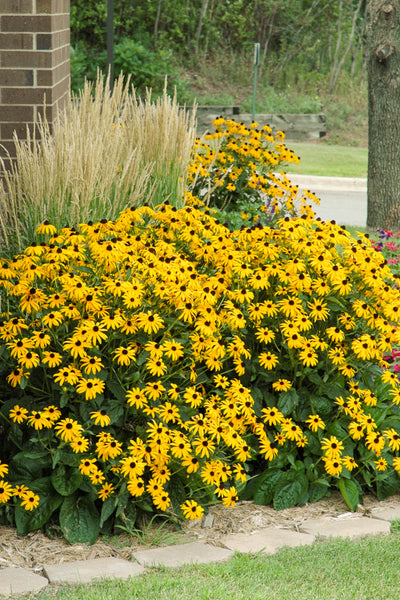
x=230, y=497
x=268, y=360
x=90, y=387
x=375, y=442
x=381, y=464
x=6, y=492
x=333, y=466
x=79, y=444
x=30, y=501
x=161, y=500
x=332, y=447
x=100, y=417
x=107, y=447
x=281, y=385
x=87, y=466
x=18, y=414
x=154, y=389
x=68, y=429
x=192, y=510
x=105, y=491
x=52, y=359
x=37, y=419
x=315, y=422
x=3, y=469
x=318, y=310
x=272, y=415
x=150, y=322
x=124, y=355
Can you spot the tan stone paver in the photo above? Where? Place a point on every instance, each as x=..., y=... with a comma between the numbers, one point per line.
x=267, y=540
x=182, y=554
x=85, y=571
x=15, y=581
x=351, y=527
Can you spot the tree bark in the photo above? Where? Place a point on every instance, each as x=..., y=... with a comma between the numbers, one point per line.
x=383, y=65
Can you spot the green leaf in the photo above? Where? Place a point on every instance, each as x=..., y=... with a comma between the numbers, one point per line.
x=318, y=490
x=27, y=521
x=107, y=509
x=66, y=481
x=388, y=486
x=288, y=495
x=265, y=488
x=27, y=467
x=79, y=520
x=116, y=389
x=288, y=401
x=349, y=491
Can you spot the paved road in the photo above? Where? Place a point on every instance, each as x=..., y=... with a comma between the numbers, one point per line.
x=342, y=198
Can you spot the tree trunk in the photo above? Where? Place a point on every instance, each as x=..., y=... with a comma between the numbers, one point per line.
x=202, y=16
x=383, y=62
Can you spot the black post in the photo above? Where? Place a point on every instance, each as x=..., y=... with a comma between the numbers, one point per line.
x=110, y=41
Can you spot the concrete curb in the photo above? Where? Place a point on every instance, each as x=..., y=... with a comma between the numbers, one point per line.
x=17, y=581
x=337, y=184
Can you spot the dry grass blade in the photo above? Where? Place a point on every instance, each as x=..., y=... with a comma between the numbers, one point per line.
x=105, y=152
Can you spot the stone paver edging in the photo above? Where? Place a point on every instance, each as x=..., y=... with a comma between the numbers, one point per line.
x=16, y=581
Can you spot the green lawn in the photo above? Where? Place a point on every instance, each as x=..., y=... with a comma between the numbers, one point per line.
x=366, y=569
x=332, y=161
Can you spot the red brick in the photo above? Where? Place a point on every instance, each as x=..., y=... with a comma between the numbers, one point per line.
x=45, y=77
x=44, y=41
x=16, y=41
x=16, y=77
x=52, y=6
x=44, y=6
x=22, y=96
x=40, y=110
x=7, y=130
x=11, y=114
x=60, y=22
x=61, y=38
x=7, y=146
x=21, y=58
x=22, y=23
x=16, y=6
x=61, y=55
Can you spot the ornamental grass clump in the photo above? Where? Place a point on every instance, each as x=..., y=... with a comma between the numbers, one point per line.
x=103, y=153
x=161, y=362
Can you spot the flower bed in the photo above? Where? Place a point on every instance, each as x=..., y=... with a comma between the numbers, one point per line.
x=161, y=362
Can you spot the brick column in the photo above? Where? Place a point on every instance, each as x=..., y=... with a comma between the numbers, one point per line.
x=34, y=64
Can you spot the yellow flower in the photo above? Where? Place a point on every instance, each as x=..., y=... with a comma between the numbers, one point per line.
x=30, y=500
x=90, y=387
x=332, y=447
x=333, y=466
x=230, y=497
x=124, y=356
x=192, y=510
x=18, y=414
x=6, y=492
x=161, y=500
x=52, y=359
x=282, y=385
x=68, y=429
x=101, y=418
x=268, y=360
x=105, y=491
x=315, y=422
x=349, y=463
x=381, y=464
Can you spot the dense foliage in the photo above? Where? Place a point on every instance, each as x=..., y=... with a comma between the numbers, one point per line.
x=314, y=38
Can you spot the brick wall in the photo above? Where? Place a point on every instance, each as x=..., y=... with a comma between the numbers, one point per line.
x=34, y=64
